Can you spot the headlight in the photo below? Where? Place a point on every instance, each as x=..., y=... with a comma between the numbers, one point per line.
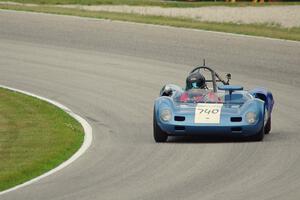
x=251, y=117
x=165, y=115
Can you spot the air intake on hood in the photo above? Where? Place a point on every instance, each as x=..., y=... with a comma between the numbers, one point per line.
x=179, y=118
x=236, y=119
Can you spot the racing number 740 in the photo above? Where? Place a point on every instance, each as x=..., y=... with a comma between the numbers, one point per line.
x=208, y=111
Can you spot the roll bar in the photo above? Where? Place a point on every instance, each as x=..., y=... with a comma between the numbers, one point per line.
x=215, y=77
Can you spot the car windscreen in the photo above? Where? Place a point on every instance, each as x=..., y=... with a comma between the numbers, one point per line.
x=208, y=96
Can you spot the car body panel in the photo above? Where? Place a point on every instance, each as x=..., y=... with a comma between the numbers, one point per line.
x=232, y=118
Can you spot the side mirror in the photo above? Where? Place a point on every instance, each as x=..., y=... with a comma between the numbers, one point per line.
x=166, y=91
x=228, y=76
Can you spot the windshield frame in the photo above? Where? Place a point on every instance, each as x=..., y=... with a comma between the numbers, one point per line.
x=194, y=96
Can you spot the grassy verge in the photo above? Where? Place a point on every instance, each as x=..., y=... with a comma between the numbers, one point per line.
x=265, y=30
x=35, y=137
x=161, y=3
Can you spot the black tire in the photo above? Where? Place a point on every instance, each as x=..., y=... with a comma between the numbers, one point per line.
x=158, y=134
x=268, y=126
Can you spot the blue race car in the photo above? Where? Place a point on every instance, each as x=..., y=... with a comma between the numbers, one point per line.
x=211, y=106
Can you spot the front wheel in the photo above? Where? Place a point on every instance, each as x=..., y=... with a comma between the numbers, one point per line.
x=158, y=134
x=268, y=126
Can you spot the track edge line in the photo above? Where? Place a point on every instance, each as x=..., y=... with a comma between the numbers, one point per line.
x=88, y=137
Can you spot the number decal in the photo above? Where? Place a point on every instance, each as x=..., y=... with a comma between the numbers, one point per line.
x=208, y=113
x=215, y=111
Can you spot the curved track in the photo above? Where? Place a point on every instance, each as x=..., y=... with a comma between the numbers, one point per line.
x=110, y=73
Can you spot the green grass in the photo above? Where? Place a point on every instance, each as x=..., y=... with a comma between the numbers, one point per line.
x=35, y=137
x=266, y=30
x=161, y=3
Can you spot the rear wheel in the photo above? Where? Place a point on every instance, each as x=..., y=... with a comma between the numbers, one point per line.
x=158, y=134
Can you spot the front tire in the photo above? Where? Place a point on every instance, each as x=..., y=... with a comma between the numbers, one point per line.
x=268, y=126
x=158, y=134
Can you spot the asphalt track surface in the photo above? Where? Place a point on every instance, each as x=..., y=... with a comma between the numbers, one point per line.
x=111, y=72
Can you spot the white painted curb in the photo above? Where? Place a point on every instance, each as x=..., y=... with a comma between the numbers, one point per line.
x=86, y=143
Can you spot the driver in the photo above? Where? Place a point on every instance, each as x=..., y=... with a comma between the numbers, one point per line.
x=194, y=82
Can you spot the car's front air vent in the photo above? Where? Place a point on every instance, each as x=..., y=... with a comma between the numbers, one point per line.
x=179, y=128
x=179, y=118
x=236, y=119
x=236, y=129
